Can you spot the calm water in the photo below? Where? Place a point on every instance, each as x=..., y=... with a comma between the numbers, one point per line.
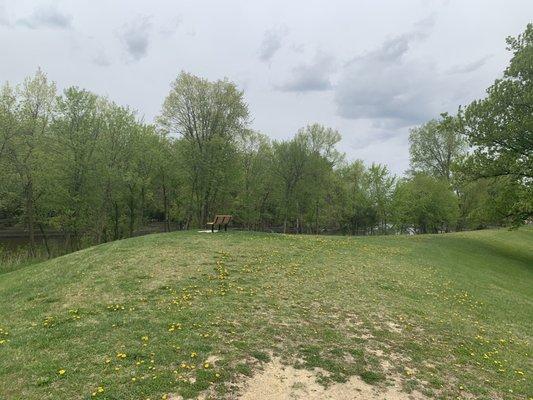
x=13, y=243
x=13, y=239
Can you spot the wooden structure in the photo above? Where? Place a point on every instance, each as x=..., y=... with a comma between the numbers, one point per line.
x=221, y=221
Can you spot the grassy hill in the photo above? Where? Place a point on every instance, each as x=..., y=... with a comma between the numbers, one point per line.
x=449, y=316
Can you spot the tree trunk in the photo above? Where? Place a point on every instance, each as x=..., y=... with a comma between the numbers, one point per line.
x=165, y=207
x=45, y=239
x=141, y=207
x=117, y=221
x=316, y=218
x=132, y=215
x=30, y=216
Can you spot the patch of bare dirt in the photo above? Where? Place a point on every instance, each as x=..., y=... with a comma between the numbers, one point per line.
x=281, y=382
x=393, y=327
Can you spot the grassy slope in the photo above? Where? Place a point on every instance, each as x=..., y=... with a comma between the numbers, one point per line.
x=452, y=313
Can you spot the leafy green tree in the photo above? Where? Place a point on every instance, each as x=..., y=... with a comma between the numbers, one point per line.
x=290, y=159
x=76, y=131
x=209, y=116
x=500, y=126
x=381, y=188
x=316, y=187
x=358, y=214
x=436, y=145
x=485, y=202
x=367, y=197
x=8, y=129
x=425, y=204
x=254, y=199
x=8, y=120
x=26, y=116
x=170, y=170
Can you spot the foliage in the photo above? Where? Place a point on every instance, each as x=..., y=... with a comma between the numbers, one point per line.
x=436, y=145
x=500, y=127
x=79, y=164
x=209, y=116
x=425, y=203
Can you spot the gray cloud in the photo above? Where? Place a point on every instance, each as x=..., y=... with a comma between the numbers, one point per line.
x=272, y=42
x=101, y=59
x=310, y=77
x=386, y=86
x=136, y=37
x=47, y=17
x=372, y=137
x=470, y=67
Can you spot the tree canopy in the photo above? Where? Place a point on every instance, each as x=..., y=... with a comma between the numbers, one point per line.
x=78, y=164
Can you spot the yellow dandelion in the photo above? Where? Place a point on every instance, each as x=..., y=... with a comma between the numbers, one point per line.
x=62, y=372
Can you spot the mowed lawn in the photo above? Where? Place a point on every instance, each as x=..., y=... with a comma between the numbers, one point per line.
x=450, y=315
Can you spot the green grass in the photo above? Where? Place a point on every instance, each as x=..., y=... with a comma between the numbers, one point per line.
x=450, y=314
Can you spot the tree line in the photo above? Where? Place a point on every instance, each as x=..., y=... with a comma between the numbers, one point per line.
x=80, y=164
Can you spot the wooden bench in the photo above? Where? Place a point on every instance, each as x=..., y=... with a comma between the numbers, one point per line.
x=220, y=220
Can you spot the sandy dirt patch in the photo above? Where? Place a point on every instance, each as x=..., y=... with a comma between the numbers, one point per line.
x=281, y=382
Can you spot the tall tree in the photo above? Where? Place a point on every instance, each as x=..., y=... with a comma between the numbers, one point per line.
x=358, y=213
x=500, y=127
x=76, y=131
x=208, y=116
x=381, y=187
x=323, y=157
x=290, y=161
x=23, y=144
x=435, y=145
x=257, y=181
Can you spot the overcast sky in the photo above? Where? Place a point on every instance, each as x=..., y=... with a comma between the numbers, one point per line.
x=370, y=69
